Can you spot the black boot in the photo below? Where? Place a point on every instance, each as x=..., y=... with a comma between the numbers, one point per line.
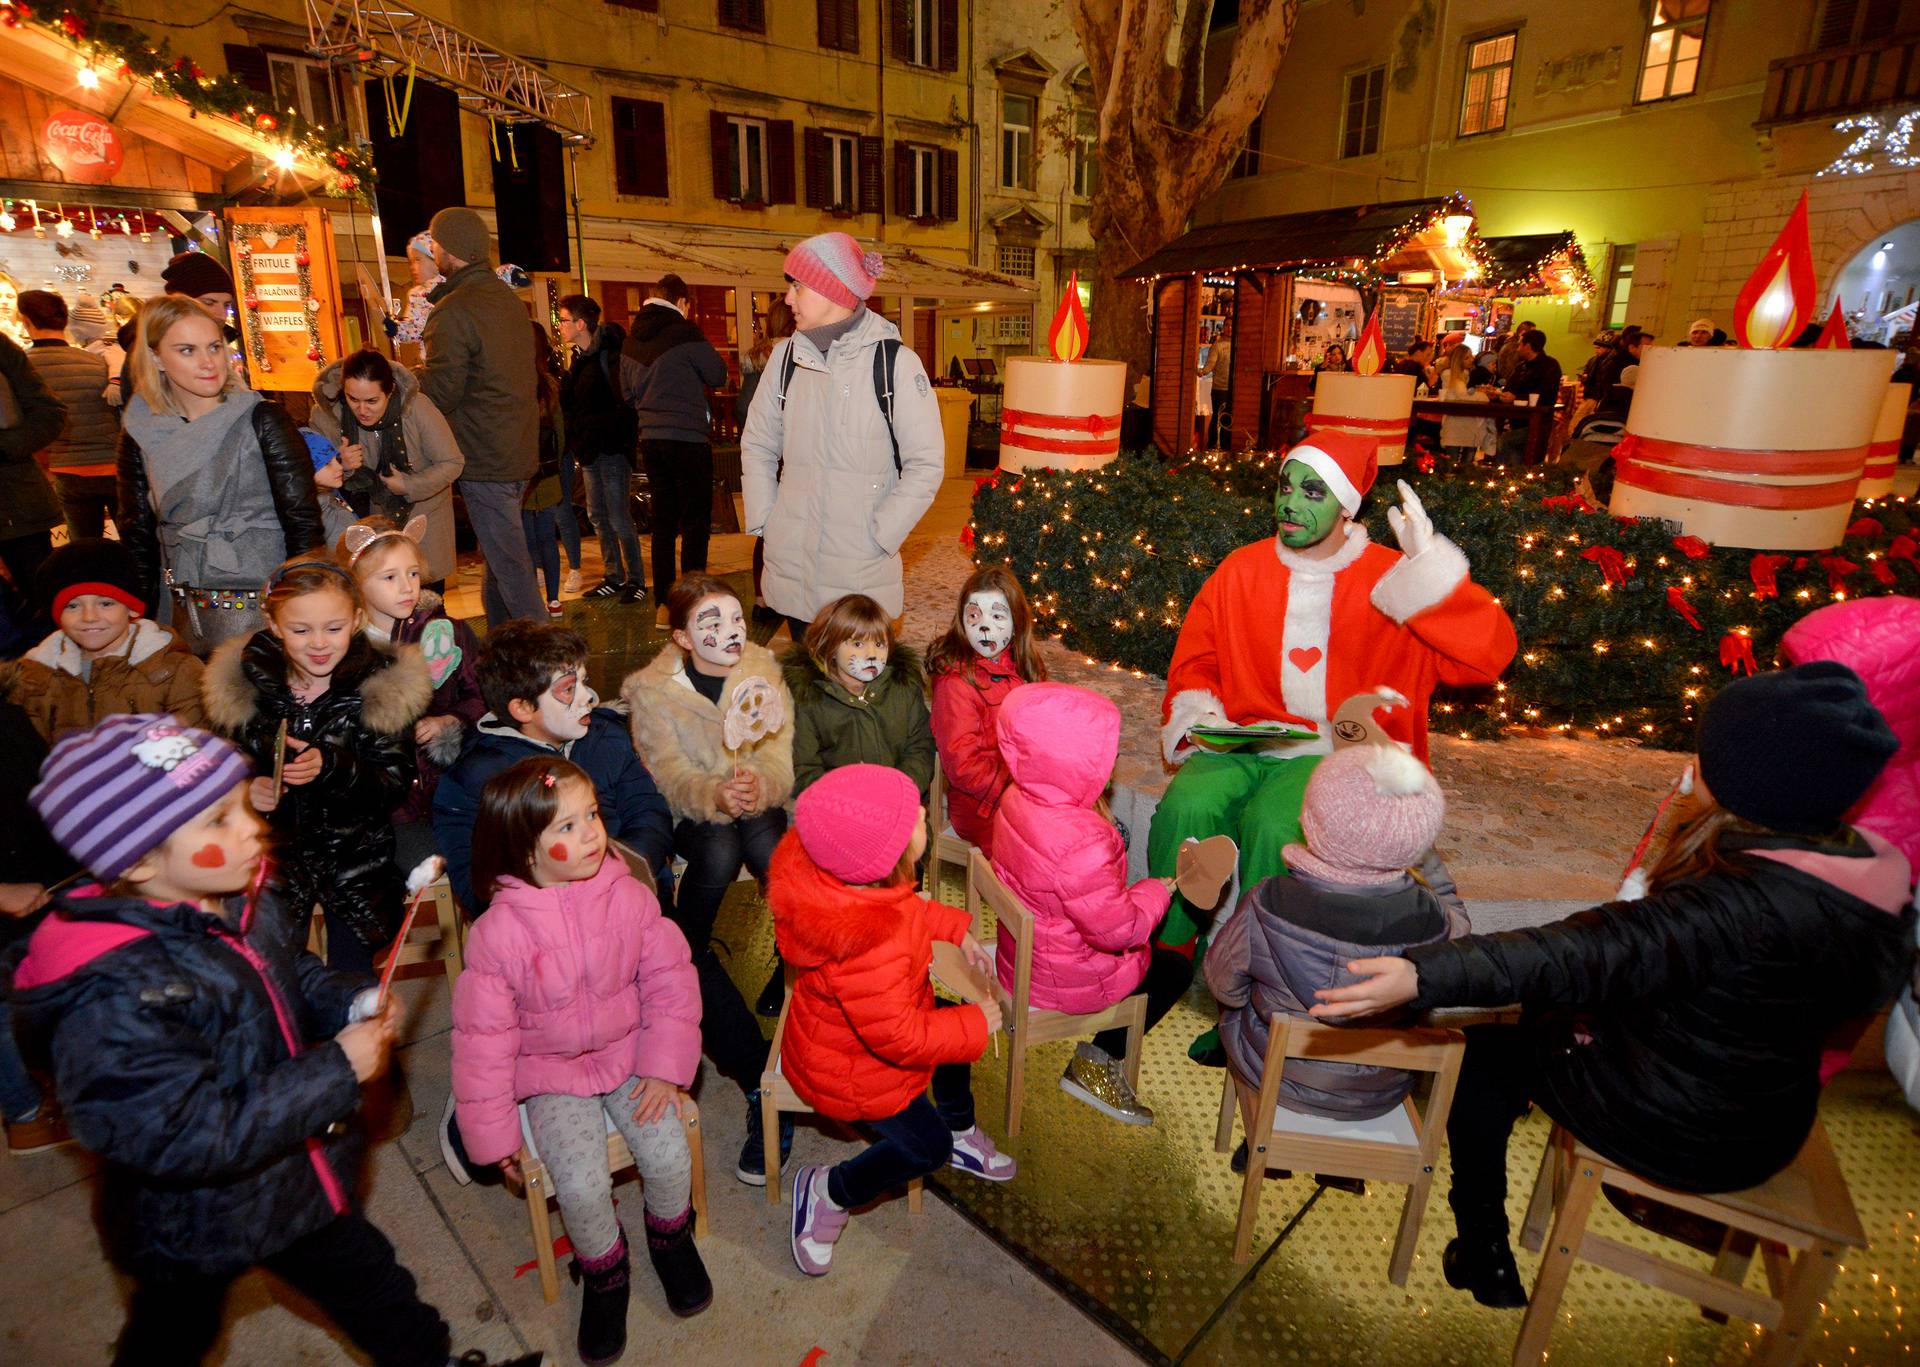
x=682, y=1275
x=1484, y=1265
x=603, y=1304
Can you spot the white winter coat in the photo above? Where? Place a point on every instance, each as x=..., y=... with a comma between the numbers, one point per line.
x=834, y=516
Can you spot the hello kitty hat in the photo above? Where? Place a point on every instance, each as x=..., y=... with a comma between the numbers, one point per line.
x=112, y=793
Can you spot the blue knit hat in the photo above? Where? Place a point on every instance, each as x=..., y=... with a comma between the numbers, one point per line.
x=112, y=793
x=319, y=450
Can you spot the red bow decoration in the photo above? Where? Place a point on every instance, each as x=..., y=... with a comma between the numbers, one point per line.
x=1762, y=569
x=1905, y=548
x=1678, y=602
x=1567, y=503
x=1736, y=652
x=966, y=536
x=1837, y=571
x=991, y=481
x=1692, y=547
x=1613, y=565
x=1882, y=571
x=1424, y=462
x=1866, y=526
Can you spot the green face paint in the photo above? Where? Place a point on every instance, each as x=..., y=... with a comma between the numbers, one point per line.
x=1305, y=507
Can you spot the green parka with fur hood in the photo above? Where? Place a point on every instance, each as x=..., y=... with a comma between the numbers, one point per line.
x=887, y=723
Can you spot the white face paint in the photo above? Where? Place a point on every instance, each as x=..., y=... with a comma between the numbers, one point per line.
x=565, y=705
x=718, y=628
x=861, y=658
x=989, y=622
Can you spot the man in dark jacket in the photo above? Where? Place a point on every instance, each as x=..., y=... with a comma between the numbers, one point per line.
x=597, y=397
x=678, y=366
x=479, y=372
x=30, y=420
x=82, y=461
x=1536, y=379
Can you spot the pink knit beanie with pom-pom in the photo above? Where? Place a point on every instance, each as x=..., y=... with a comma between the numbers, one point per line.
x=1370, y=813
x=834, y=266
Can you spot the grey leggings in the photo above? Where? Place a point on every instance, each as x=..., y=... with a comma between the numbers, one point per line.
x=571, y=1134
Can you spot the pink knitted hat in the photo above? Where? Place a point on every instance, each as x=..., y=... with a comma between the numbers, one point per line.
x=1371, y=813
x=835, y=266
x=856, y=821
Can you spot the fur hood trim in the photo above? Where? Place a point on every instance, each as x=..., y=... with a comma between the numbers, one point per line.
x=394, y=684
x=823, y=920
x=144, y=640
x=655, y=680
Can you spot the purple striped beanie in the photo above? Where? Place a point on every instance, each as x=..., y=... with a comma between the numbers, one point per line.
x=834, y=265
x=112, y=793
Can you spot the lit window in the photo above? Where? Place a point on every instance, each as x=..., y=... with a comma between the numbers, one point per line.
x=1672, y=64
x=1360, y=129
x=1016, y=142
x=1016, y=261
x=1620, y=287
x=747, y=160
x=1483, y=105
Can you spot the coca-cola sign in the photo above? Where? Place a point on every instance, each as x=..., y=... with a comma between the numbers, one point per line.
x=83, y=146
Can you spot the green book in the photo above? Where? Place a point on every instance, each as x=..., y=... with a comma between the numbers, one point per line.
x=1255, y=734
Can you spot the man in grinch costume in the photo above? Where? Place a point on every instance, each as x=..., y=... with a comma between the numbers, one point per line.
x=1285, y=631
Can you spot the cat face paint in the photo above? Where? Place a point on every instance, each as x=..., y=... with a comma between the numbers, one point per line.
x=566, y=704
x=988, y=619
x=1304, y=506
x=719, y=630
x=861, y=659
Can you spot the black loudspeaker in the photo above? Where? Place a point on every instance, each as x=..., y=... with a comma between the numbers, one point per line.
x=420, y=168
x=530, y=198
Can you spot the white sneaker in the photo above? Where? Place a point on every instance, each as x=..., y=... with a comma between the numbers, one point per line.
x=571, y=583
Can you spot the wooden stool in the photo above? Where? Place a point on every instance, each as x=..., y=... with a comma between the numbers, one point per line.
x=1028, y=1026
x=1801, y=1218
x=777, y=1095
x=945, y=847
x=441, y=941
x=1399, y=1146
x=539, y=1186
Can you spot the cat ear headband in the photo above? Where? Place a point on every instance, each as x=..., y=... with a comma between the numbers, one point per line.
x=360, y=538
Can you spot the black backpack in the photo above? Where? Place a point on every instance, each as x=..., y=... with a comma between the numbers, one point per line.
x=627, y=419
x=883, y=358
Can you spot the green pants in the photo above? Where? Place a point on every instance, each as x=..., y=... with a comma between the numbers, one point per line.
x=1254, y=800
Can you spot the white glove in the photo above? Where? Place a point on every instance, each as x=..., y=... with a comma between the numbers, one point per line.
x=1411, y=525
x=365, y=1006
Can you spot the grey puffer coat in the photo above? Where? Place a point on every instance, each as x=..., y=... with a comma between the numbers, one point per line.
x=834, y=515
x=1291, y=936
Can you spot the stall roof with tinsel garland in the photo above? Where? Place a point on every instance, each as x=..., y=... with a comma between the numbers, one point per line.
x=1531, y=264
x=1372, y=239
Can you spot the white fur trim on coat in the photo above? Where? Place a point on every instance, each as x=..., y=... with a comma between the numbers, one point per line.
x=1421, y=581
x=1190, y=707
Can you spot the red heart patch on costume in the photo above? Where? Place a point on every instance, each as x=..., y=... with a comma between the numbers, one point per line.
x=1304, y=659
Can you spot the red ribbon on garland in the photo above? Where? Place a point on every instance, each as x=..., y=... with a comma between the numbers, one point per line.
x=1762, y=569
x=1613, y=565
x=1736, y=652
x=1692, y=547
x=1678, y=602
x=1837, y=572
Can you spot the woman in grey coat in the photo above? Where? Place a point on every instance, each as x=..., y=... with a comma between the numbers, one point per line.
x=831, y=487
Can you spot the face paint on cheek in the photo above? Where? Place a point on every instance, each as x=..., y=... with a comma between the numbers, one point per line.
x=209, y=857
x=559, y=853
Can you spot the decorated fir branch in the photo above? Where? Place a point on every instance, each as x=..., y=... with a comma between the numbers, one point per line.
x=1625, y=629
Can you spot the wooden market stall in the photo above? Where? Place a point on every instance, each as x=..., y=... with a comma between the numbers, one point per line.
x=1542, y=266
x=1280, y=290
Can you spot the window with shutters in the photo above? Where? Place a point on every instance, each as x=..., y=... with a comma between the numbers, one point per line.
x=1620, y=285
x=1016, y=141
x=749, y=16
x=1846, y=22
x=1483, y=104
x=841, y=178
x=923, y=32
x=748, y=176
x=840, y=25
x=640, y=147
x=1016, y=260
x=1247, y=162
x=1360, y=127
x=1086, y=153
x=303, y=85
x=924, y=182
x=1670, y=66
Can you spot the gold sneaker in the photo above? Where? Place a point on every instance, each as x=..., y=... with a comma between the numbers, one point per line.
x=1098, y=1079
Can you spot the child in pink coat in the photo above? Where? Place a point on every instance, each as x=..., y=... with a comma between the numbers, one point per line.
x=1057, y=850
x=579, y=998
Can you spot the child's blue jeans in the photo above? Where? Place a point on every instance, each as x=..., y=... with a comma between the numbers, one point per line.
x=914, y=1143
x=19, y=1096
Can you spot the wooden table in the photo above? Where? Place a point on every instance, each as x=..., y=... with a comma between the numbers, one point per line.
x=1539, y=419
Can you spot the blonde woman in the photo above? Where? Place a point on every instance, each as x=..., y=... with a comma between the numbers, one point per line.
x=1462, y=436
x=216, y=486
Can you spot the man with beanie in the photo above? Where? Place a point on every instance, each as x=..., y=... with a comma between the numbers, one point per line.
x=82, y=460
x=479, y=371
x=203, y=280
x=678, y=365
x=833, y=481
x=1681, y=1034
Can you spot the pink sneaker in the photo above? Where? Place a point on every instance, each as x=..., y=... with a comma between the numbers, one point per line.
x=974, y=1153
x=817, y=1222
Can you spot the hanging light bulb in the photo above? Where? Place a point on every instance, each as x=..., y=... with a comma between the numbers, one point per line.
x=89, y=79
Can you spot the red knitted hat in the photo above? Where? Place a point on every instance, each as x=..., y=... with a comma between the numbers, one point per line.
x=1348, y=463
x=856, y=821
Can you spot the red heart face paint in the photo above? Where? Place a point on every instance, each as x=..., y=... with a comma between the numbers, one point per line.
x=209, y=857
x=559, y=853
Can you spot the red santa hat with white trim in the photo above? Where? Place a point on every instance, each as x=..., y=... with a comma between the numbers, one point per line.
x=1347, y=462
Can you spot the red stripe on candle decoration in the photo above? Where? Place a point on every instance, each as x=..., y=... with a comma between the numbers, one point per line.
x=1059, y=446
x=1732, y=493
x=1884, y=450
x=1729, y=460
x=1382, y=427
x=1879, y=470
x=1095, y=423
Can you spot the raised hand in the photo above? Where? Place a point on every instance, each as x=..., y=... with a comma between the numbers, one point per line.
x=1411, y=525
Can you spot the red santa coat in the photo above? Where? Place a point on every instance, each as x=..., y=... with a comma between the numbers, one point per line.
x=1273, y=635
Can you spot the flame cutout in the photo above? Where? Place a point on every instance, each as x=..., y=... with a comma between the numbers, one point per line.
x=1778, y=297
x=1370, y=352
x=1834, y=335
x=1067, y=338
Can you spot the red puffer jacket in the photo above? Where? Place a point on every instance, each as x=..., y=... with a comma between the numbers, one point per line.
x=863, y=1034
x=965, y=705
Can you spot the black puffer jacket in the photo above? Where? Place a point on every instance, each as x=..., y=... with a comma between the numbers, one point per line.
x=341, y=846
x=289, y=477
x=1695, y=1057
x=196, y=1060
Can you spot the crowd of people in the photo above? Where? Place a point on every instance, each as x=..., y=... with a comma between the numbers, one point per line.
x=252, y=703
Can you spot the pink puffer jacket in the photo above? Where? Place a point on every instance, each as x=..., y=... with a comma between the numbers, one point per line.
x=1062, y=859
x=1879, y=639
x=568, y=990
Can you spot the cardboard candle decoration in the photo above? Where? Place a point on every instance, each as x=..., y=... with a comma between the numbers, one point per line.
x=1366, y=403
x=1883, y=452
x=1755, y=446
x=1062, y=411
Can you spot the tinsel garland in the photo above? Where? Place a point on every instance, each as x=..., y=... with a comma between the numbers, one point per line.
x=1625, y=629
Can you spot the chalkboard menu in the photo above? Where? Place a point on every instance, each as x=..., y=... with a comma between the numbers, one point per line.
x=1401, y=314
